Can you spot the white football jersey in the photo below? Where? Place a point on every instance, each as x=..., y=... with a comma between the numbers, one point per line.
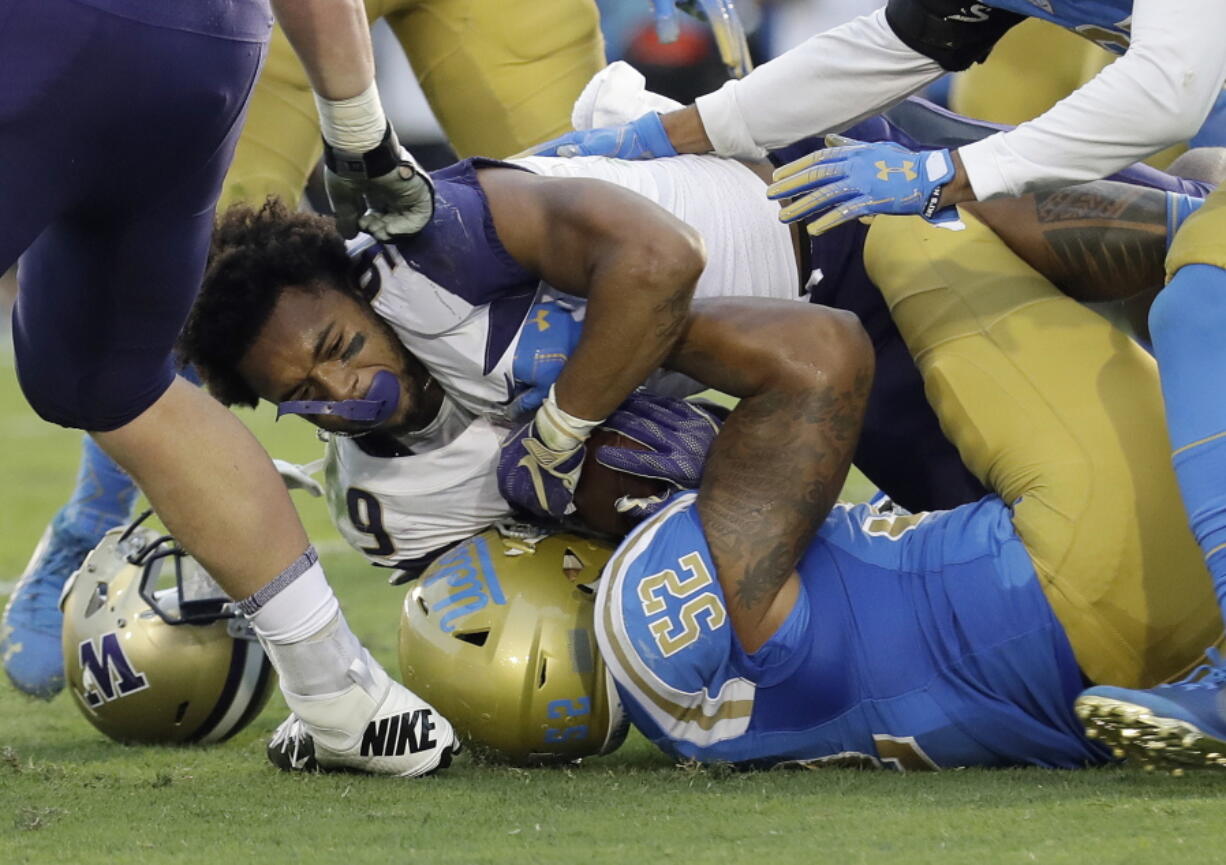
x=458, y=302
x=749, y=251
x=398, y=509
x=462, y=318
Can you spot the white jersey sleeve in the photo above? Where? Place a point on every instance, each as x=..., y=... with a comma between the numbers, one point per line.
x=830, y=82
x=1158, y=94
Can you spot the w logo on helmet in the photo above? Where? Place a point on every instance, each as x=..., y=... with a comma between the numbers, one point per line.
x=884, y=169
x=107, y=673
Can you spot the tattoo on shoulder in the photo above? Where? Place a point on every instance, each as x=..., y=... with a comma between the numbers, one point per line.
x=1096, y=201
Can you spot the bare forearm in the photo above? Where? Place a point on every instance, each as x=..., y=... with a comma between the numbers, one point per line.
x=827, y=83
x=637, y=305
x=803, y=374
x=1095, y=242
x=332, y=39
x=635, y=263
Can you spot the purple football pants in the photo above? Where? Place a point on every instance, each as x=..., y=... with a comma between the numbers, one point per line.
x=115, y=135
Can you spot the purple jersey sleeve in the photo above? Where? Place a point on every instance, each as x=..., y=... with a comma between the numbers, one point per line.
x=460, y=249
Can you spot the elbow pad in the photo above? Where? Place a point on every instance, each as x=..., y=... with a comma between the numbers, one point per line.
x=954, y=33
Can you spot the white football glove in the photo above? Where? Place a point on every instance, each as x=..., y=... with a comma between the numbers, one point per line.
x=383, y=191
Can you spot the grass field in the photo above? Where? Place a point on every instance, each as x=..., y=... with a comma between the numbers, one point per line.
x=67, y=795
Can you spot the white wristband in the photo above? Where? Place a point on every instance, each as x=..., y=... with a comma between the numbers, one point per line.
x=559, y=430
x=354, y=125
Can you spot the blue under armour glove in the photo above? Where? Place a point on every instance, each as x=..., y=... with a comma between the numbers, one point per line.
x=677, y=435
x=536, y=478
x=854, y=179
x=550, y=333
x=644, y=138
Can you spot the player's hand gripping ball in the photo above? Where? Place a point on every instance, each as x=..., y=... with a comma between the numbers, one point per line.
x=646, y=451
x=536, y=478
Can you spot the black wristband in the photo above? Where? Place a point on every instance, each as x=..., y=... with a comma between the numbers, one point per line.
x=932, y=205
x=372, y=163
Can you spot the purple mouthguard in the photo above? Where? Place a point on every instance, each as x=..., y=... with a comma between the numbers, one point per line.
x=377, y=406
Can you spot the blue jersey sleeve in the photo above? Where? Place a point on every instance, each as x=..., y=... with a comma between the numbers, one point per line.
x=665, y=636
x=783, y=653
x=459, y=249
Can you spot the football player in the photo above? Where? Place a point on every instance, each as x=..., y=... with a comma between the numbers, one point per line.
x=751, y=623
x=1159, y=92
x=433, y=482
x=99, y=307
x=500, y=77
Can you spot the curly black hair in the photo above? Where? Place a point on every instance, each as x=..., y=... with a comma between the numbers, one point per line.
x=255, y=255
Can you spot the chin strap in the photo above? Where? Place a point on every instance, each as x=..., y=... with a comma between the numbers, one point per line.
x=378, y=405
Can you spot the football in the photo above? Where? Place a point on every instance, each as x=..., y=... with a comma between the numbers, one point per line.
x=600, y=486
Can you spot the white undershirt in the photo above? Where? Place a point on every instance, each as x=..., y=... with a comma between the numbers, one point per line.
x=1157, y=94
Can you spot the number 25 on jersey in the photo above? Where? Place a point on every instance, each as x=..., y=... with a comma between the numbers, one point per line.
x=674, y=633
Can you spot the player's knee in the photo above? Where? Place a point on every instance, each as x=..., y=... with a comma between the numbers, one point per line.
x=1193, y=305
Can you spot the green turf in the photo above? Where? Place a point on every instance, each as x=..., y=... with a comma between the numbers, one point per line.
x=69, y=796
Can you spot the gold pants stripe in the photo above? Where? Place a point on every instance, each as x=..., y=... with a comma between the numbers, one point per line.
x=1061, y=415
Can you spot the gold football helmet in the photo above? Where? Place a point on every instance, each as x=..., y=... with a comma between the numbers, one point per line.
x=153, y=664
x=498, y=635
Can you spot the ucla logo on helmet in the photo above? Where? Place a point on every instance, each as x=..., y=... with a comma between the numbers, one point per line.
x=106, y=672
x=469, y=573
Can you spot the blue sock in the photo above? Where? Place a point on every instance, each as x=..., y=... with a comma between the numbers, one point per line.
x=1188, y=326
x=102, y=498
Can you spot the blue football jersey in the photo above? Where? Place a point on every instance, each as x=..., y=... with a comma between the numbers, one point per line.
x=917, y=641
x=1106, y=22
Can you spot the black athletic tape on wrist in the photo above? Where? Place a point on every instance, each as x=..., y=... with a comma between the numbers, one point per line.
x=372, y=163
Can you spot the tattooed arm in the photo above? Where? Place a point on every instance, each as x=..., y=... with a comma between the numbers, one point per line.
x=1097, y=241
x=803, y=374
x=636, y=264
